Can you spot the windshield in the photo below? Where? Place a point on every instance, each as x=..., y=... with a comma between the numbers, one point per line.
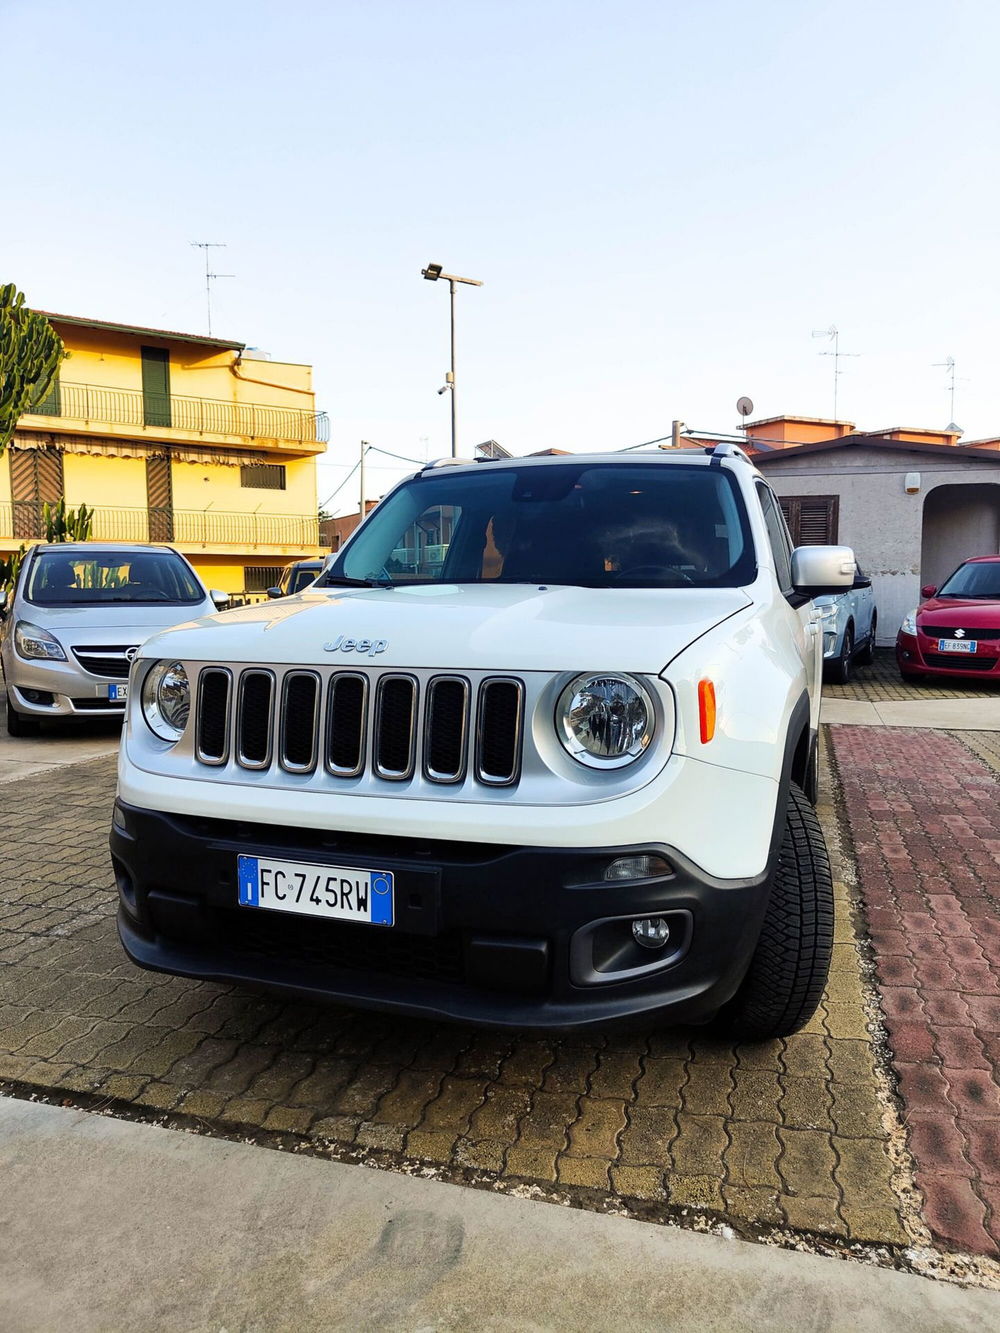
x=303, y=576
x=628, y=524
x=974, y=580
x=58, y=579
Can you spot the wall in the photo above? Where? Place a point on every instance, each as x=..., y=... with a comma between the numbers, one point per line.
x=115, y=482
x=196, y=485
x=877, y=517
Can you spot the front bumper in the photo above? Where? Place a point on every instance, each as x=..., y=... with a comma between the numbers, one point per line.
x=506, y=936
x=59, y=689
x=918, y=655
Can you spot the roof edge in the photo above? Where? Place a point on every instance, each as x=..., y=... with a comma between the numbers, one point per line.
x=170, y=334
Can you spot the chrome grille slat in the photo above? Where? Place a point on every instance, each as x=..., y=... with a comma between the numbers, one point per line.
x=99, y=661
x=346, y=723
x=374, y=725
x=254, y=719
x=214, y=699
x=498, y=731
x=300, y=697
x=395, y=727
x=446, y=723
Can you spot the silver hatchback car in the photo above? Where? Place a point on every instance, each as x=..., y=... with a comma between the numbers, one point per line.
x=76, y=619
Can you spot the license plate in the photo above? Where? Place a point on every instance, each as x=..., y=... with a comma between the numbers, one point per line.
x=340, y=893
x=957, y=645
x=117, y=691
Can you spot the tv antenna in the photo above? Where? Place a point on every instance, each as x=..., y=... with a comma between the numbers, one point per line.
x=833, y=333
x=209, y=276
x=949, y=365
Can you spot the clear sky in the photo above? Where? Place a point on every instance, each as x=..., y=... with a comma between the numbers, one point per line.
x=663, y=200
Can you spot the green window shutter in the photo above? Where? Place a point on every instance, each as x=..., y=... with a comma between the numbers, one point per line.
x=51, y=404
x=155, y=386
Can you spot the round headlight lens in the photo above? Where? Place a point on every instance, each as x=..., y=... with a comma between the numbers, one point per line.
x=605, y=721
x=166, y=700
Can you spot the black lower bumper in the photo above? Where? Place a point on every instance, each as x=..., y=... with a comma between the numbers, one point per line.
x=506, y=936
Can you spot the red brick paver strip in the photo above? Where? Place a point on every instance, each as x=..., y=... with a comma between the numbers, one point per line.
x=924, y=816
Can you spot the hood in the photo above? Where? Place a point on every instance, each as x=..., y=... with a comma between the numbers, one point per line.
x=494, y=627
x=124, y=622
x=966, y=612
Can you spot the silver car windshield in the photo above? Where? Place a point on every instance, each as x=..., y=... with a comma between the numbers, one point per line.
x=75, y=579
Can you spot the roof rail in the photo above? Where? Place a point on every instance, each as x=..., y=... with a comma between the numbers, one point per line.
x=727, y=450
x=447, y=462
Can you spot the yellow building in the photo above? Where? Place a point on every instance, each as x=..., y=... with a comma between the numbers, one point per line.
x=176, y=438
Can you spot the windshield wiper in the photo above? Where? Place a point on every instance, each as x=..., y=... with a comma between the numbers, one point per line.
x=344, y=580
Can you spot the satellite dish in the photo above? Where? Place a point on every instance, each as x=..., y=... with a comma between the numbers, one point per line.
x=744, y=406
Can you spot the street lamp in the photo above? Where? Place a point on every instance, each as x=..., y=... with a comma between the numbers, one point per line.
x=432, y=272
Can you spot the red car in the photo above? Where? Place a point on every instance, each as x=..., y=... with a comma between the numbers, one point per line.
x=956, y=632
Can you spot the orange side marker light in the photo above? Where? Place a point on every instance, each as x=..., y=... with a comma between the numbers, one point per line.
x=706, y=710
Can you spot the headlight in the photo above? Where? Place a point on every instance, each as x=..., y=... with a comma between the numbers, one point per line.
x=828, y=615
x=909, y=625
x=605, y=721
x=166, y=700
x=31, y=641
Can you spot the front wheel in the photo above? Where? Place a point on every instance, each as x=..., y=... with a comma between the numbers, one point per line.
x=18, y=724
x=867, y=655
x=789, y=967
x=840, y=670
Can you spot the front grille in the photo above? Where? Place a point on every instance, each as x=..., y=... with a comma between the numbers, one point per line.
x=960, y=661
x=386, y=725
x=950, y=631
x=105, y=661
x=341, y=945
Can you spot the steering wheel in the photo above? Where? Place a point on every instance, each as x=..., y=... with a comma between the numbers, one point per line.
x=644, y=572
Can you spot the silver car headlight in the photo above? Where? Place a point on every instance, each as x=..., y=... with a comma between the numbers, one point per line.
x=909, y=625
x=166, y=700
x=605, y=721
x=33, y=642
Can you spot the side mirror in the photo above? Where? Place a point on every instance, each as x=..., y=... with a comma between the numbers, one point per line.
x=273, y=592
x=928, y=590
x=819, y=570
x=220, y=599
x=861, y=581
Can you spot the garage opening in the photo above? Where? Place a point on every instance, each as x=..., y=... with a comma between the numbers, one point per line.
x=959, y=521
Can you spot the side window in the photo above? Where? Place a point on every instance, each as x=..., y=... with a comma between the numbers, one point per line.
x=777, y=535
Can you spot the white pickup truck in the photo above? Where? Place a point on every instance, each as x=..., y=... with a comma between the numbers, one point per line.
x=538, y=749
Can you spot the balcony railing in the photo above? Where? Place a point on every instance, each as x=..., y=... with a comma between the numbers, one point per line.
x=194, y=416
x=22, y=521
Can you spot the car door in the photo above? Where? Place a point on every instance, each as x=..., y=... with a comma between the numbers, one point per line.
x=808, y=638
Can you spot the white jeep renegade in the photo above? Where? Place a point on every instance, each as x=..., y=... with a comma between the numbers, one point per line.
x=538, y=749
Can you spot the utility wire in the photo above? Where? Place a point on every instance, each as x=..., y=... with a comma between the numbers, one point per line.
x=335, y=493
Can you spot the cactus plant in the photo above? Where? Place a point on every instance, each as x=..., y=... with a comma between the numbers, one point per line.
x=30, y=352
x=67, y=525
x=9, y=570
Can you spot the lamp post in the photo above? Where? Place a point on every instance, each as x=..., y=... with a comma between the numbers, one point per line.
x=432, y=272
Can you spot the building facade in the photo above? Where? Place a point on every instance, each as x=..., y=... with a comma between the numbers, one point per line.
x=171, y=437
x=912, y=502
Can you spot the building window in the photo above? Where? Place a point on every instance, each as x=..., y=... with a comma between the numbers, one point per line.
x=155, y=386
x=813, y=520
x=258, y=578
x=263, y=476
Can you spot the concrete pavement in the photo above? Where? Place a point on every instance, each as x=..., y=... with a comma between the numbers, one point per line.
x=109, y=1224
x=59, y=744
x=928, y=713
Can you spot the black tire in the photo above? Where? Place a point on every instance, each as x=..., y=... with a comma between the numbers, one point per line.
x=840, y=670
x=18, y=724
x=789, y=967
x=867, y=655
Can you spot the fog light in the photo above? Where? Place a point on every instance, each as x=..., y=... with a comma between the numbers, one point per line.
x=652, y=932
x=637, y=867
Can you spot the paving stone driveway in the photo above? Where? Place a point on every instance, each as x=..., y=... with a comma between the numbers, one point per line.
x=924, y=813
x=788, y=1133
